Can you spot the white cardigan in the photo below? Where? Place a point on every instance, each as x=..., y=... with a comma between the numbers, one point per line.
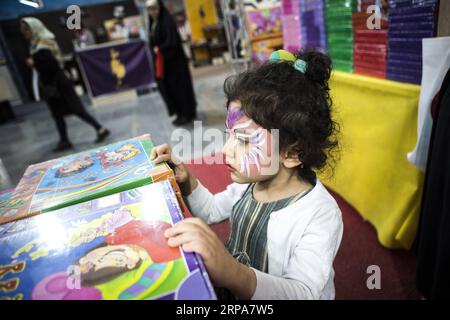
x=302, y=239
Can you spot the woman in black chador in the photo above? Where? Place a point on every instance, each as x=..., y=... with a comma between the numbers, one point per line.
x=175, y=85
x=54, y=86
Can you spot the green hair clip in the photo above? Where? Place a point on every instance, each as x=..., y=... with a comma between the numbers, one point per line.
x=283, y=55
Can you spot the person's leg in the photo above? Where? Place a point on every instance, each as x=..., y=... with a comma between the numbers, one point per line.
x=89, y=119
x=102, y=132
x=185, y=101
x=64, y=142
x=182, y=92
x=163, y=87
x=62, y=128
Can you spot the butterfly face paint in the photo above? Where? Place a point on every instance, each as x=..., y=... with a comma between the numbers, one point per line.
x=248, y=148
x=256, y=141
x=233, y=116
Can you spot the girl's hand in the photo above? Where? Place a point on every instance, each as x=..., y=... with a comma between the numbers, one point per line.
x=184, y=178
x=155, y=49
x=194, y=235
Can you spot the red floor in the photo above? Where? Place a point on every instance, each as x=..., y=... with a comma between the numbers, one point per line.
x=359, y=249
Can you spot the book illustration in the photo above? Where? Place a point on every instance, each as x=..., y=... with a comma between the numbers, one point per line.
x=19, y=200
x=113, y=165
x=109, y=248
x=264, y=22
x=84, y=176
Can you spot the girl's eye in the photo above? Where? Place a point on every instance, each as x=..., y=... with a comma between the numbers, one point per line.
x=243, y=141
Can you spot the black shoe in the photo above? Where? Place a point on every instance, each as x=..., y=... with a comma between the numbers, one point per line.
x=181, y=121
x=102, y=134
x=62, y=146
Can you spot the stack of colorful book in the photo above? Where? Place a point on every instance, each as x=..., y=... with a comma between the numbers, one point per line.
x=264, y=30
x=313, y=25
x=364, y=4
x=409, y=22
x=370, y=44
x=290, y=17
x=84, y=176
x=338, y=18
x=111, y=248
x=91, y=226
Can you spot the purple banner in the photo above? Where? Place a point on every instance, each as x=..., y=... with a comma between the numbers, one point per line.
x=116, y=67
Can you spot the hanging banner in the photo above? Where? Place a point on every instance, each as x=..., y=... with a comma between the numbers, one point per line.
x=115, y=67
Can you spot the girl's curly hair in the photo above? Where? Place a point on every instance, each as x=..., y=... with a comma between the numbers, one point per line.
x=277, y=96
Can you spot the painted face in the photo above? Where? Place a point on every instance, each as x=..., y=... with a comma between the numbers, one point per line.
x=248, y=150
x=110, y=256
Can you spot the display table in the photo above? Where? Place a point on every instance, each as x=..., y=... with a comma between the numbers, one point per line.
x=378, y=120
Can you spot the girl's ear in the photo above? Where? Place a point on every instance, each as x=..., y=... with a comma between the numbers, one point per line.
x=290, y=160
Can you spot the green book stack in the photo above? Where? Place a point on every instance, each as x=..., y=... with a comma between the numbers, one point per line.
x=84, y=176
x=338, y=19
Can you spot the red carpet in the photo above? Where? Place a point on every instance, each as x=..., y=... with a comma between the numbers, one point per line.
x=359, y=249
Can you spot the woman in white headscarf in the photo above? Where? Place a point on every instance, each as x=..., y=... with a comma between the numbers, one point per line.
x=54, y=86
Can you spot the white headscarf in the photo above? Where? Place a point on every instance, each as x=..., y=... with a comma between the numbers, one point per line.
x=151, y=3
x=42, y=38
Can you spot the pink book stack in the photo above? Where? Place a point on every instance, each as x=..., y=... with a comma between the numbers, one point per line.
x=292, y=35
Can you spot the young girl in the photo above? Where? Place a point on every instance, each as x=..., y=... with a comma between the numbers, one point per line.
x=285, y=226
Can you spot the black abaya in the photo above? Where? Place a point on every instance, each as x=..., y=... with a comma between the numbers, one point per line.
x=176, y=86
x=56, y=89
x=433, y=260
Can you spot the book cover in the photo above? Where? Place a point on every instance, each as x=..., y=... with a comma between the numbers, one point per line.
x=264, y=22
x=5, y=196
x=84, y=176
x=111, y=248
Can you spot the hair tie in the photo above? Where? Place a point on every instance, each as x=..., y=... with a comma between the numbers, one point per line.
x=283, y=55
x=300, y=65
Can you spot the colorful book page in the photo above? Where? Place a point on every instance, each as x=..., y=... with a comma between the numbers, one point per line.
x=111, y=248
x=83, y=176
